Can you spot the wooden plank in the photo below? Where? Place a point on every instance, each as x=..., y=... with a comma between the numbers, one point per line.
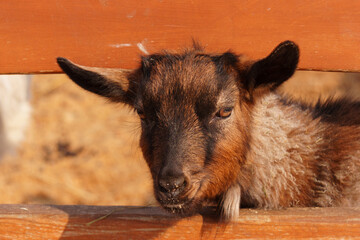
x=77, y=222
x=113, y=33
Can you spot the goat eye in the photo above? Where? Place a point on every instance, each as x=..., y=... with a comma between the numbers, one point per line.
x=141, y=114
x=224, y=112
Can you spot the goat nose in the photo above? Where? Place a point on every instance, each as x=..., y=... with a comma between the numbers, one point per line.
x=172, y=184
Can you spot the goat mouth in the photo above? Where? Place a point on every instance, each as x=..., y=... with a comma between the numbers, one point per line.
x=184, y=205
x=178, y=205
x=181, y=209
x=174, y=208
x=184, y=209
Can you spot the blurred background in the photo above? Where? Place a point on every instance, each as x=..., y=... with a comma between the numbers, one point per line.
x=80, y=149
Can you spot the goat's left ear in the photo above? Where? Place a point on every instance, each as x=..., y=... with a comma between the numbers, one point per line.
x=275, y=69
x=107, y=82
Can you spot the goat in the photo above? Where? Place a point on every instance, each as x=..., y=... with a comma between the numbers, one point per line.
x=215, y=129
x=15, y=111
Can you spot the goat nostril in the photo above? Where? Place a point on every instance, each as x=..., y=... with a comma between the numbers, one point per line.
x=172, y=183
x=179, y=182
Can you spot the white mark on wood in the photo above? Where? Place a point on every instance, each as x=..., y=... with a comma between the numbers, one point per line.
x=268, y=9
x=23, y=208
x=132, y=14
x=120, y=45
x=142, y=48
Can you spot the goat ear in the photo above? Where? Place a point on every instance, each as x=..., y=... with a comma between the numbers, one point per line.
x=108, y=82
x=275, y=69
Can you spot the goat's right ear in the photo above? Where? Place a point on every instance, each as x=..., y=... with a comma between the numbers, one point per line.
x=111, y=83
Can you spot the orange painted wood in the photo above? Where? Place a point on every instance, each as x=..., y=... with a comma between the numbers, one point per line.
x=113, y=33
x=112, y=222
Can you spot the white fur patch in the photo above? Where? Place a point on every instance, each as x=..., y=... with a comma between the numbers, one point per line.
x=231, y=203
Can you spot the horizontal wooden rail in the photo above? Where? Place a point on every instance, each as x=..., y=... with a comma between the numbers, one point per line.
x=113, y=222
x=113, y=33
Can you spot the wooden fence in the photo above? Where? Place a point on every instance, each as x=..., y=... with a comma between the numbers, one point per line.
x=99, y=222
x=113, y=33
x=110, y=33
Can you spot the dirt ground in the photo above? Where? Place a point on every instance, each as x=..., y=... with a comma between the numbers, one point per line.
x=81, y=149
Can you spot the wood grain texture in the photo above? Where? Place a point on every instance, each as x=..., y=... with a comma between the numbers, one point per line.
x=77, y=222
x=112, y=33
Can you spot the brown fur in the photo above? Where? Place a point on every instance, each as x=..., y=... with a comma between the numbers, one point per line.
x=215, y=129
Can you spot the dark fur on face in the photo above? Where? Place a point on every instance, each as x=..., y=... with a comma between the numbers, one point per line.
x=202, y=117
x=179, y=97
